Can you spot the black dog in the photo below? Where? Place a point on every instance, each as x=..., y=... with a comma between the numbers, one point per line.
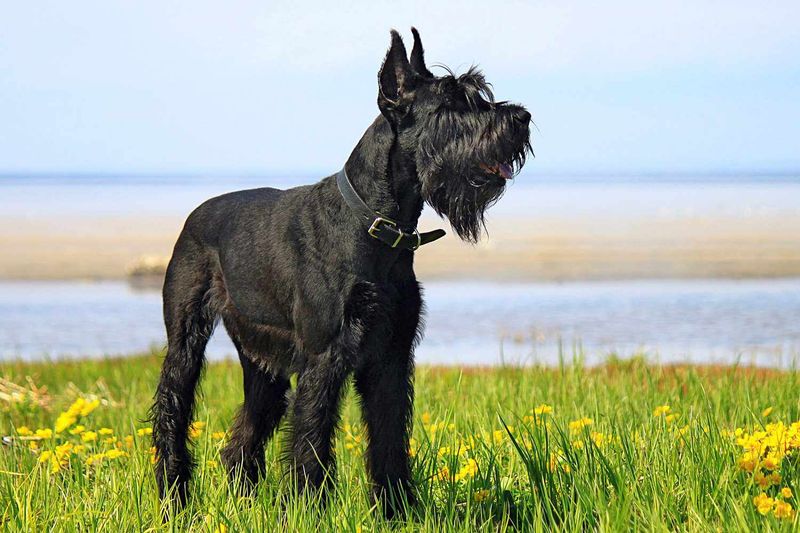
x=311, y=280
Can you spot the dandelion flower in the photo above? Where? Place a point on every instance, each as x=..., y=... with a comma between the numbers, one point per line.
x=480, y=495
x=115, y=454
x=468, y=470
x=144, y=431
x=763, y=503
x=196, y=429
x=105, y=431
x=786, y=492
x=498, y=436
x=578, y=425
x=661, y=410
x=783, y=510
x=64, y=421
x=89, y=436
x=77, y=430
x=24, y=431
x=45, y=456
x=766, y=412
x=88, y=407
x=95, y=458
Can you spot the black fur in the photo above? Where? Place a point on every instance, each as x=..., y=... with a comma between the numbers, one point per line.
x=301, y=287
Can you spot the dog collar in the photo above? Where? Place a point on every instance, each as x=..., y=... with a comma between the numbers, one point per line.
x=381, y=227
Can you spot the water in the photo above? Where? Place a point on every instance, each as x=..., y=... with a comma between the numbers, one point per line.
x=754, y=321
x=468, y=323
x=730, y=196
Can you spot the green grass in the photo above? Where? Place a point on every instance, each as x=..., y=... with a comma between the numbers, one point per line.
x=637, y=472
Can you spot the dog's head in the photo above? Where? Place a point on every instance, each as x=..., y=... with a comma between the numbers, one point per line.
x=466, y=146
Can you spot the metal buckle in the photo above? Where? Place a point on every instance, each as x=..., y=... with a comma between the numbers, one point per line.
x=419, y=240
x=376, y=226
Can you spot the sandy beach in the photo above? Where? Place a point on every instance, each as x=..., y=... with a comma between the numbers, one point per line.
x=518, y=248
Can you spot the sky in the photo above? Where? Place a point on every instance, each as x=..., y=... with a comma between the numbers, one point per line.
x=273, y=87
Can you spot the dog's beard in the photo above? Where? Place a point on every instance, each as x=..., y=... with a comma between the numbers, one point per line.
x=463, y=199
x=463, y=176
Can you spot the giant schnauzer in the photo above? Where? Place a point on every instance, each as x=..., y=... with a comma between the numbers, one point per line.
x=318, y=280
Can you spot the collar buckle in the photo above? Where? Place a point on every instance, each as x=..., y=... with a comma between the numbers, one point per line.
x=376, y=226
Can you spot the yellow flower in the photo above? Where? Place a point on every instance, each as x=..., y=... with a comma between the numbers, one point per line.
x=783, y=510
x=24, y=431
x=218, y=435
x=467, y=471
x=105, y=431
x=426, y=418
x=671, y=417
x=89, y=436
x=44, y=433
x=543, y=409
x=222, y=528
x=480, y=495
x=443, y=474
x=95, y=459
x=211, y=463
x=110, y=440
x=763, y=503
x=77, y=430
x=661, y=410
x=578, y=425
x=771, y=462
x=196, y=429
x=115, y=454
x=577, y=444
x=761, y=480
x=128, y=440
x=45, y=456
x=64, y=421
x=445, y=450
x=88, y=407
x=412, y=447
x=786, y=492
x=600, y=439
x=498, y=436
x=144, y=431
x=748, y=462
x=766, y=412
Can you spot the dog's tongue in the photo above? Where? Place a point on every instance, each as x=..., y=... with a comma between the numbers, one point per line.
x=506, y=170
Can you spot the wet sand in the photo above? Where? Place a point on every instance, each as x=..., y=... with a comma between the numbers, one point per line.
x=543, y=248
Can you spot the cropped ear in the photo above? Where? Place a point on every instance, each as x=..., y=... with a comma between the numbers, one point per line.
x=395, y=81
x=418, y=56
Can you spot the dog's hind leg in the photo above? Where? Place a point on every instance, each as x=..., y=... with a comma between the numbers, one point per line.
x=189, y=316
x=265, y=404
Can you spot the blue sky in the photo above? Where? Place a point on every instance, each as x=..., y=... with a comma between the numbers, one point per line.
x=278, y=87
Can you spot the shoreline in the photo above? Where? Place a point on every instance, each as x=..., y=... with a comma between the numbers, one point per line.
x=532, y=248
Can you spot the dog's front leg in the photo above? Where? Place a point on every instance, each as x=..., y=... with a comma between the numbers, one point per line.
x=385, y=383
x=387, y=391
x=315, y=416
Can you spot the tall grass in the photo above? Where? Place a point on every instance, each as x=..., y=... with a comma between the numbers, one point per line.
x=601, y=452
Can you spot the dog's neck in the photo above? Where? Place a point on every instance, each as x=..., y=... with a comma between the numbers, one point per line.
x=383, y=175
